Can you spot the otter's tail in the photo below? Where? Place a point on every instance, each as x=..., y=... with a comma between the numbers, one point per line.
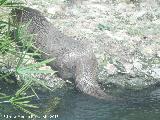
x=86, y=71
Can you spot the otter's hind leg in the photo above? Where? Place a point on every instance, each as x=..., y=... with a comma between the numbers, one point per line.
x=86, y=71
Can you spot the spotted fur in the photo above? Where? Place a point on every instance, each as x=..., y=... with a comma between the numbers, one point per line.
x=73, y=58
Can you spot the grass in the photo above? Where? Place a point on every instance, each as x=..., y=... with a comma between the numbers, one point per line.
x=15, y=61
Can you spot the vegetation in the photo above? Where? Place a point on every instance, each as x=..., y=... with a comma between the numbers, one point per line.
x=16, y=64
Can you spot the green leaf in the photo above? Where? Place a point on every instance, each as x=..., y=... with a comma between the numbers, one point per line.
x=25, y=110
x=29, y=71
x=29, y=105
x=39, y=64
x=21, y=103
x=34, y=92
x=23, y=98
x=24, y=88
x=41, y=83
x=2, y=2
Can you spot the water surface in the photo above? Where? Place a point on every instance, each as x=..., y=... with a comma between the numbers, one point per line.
x=135, y=105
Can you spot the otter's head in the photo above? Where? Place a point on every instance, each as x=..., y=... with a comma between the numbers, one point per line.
x=34, y=20
x=26, y=14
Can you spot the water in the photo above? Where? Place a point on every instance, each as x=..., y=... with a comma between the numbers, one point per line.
x=136, y=105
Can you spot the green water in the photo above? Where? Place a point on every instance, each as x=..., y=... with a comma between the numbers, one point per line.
x=136, y=105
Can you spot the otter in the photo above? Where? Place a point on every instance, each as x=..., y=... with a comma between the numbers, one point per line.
x=73, y=58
